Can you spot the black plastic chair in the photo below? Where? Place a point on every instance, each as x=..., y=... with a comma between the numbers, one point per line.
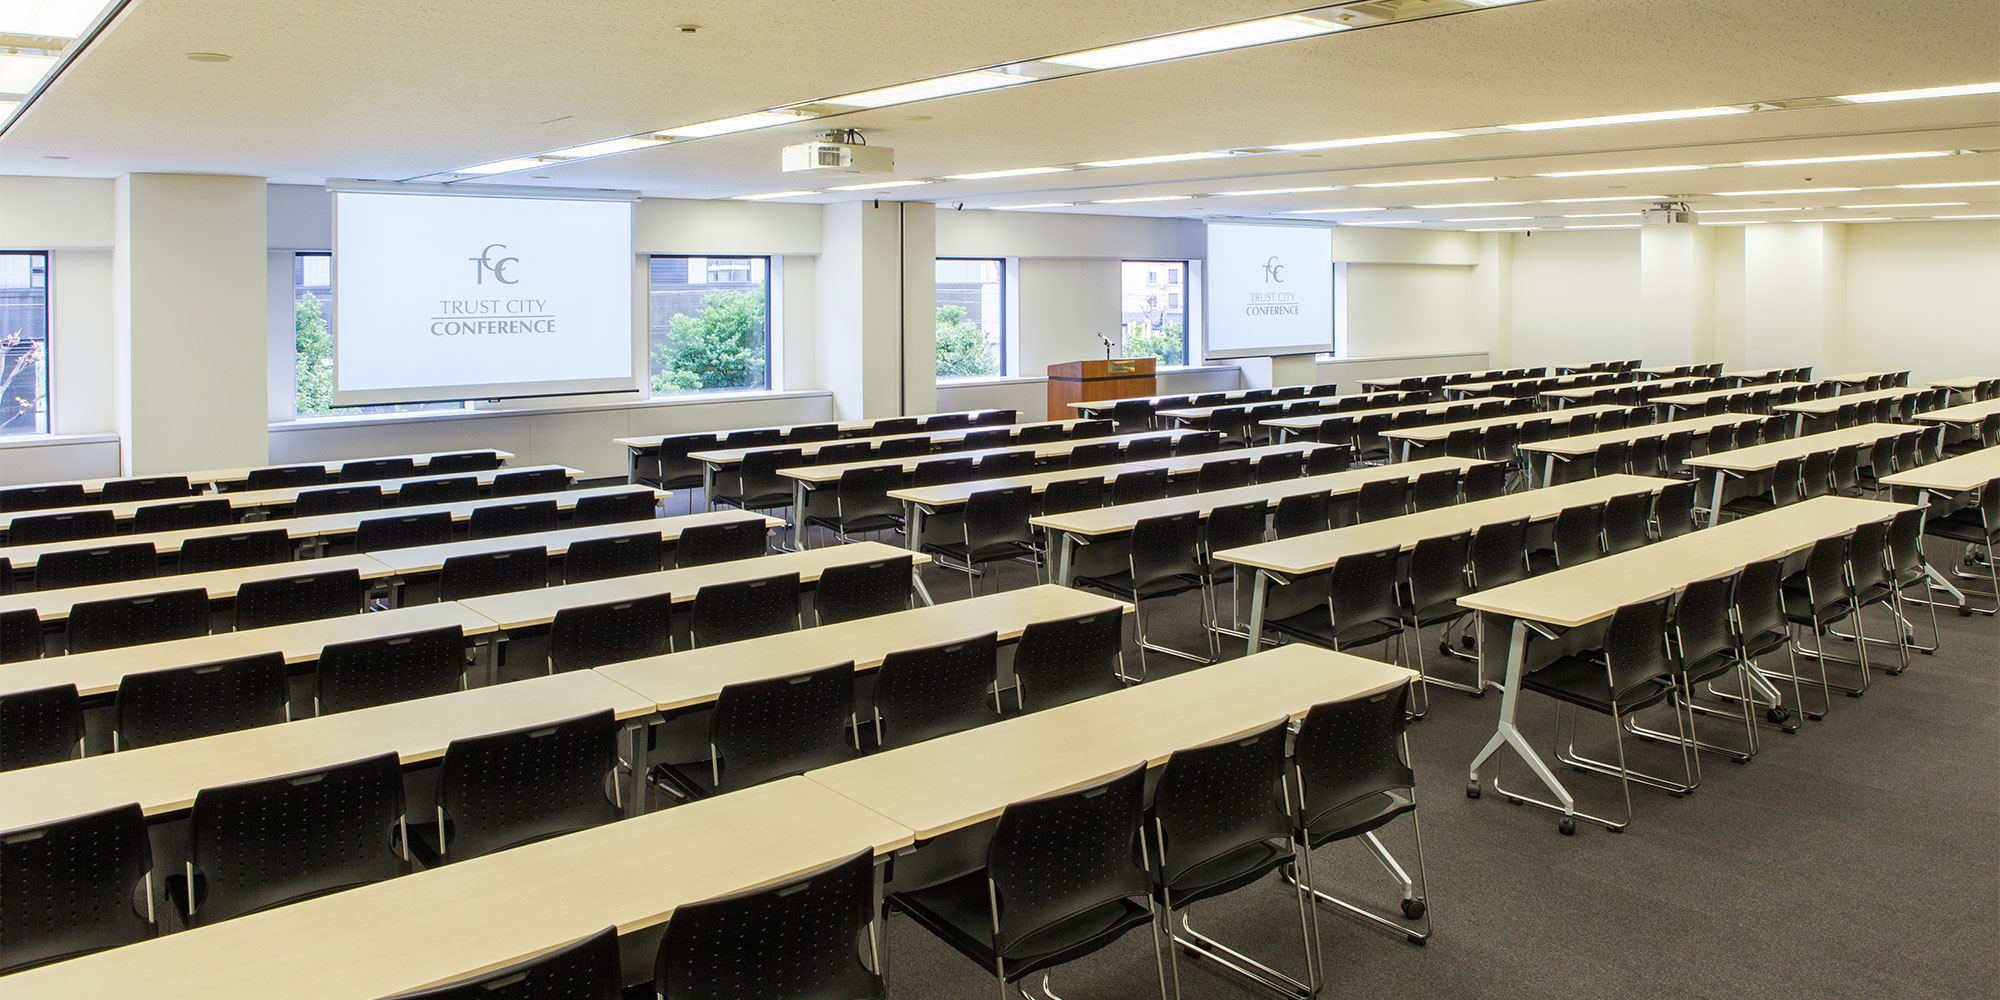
x=264, y=603
x=1145, y=449
x=503, y=519
x=370, y=672
x=1163, y=559
x=707, y=544
x=1433, y=490
x=1132, y=415
x=235, y=550
x=75, y=886
x=1352, y=776
x=1356, y=604
x=745, y=609
x=803, y=433
x=22, y=498
x=942, y=471
x=991, y=437
x=1816, y=474
x=903, y=447
x=263, y=843
x=1198, y=443
x=995, y=418
x=597, y=634
x=603, y=558
x=1785, y=488
x=185, y=703
x=769, y=729
x=1060, y=882
x=87, y=567
x=1673, y=510
x=1643, y=457
x=489, y=573
x=506, y=789
x=527, y=481
x=431, y=492
x=73, y=526
x=862, y=590
x=586, y=969
x=1627, y=522
x=994, y=529
x=1229, y=526
x=287, y=477
x=1095, y=453
x=370, y=469
x=613, y=508
x=135, y=621
x=1302, y=514
x=402, y=531
x=182, y=515
x=1039, y=434
x=1092, y=428
x=337, y=500
x=1382, y=498
x=1578, y=538
x=862, y=502
x=1439, y=574
x=40, y=726
x=1222, y=474
x=1484, y=481
x=934, y=691
x=1139, y=486
x=1007, y=464
x=462, y=461
x=1329, y=460
x=1069, y=659
x=808, y=937
x=670, y=468
x=843, y=452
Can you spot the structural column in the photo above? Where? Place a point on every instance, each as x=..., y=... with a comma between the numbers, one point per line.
x=1795, y=295
x=1676, y=295
x=877, y=306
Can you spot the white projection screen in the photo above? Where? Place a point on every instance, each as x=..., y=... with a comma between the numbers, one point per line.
x=1269, y=290
x=443, y=296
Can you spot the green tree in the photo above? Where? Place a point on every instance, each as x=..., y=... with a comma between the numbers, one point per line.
x=719, y=347
x=961, y=346
x=312, y=372
x=1169, y=344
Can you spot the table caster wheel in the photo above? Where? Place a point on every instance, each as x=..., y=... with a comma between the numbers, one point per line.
x=1566, y=826
x=1468, y=642
x=1472, y=789
x=1776, y=715
x=1965, y=611
x=1413, y=908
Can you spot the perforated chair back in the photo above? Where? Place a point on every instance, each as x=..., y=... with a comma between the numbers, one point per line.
x=1091, y=429
x=803, y=433
x=672, y=469
x=287, y=477
x=463, y=461
x=613, y=508
x=1057, y=662
x=597, y=634
x=1222, y=474
x=745, y=609
x=337, y=500
x=259, y=844
x=1095, y=453
x=1382, y=498
x=370, y=672
x=775, y=728
x=1067, y=495
x=1627, y=522
x=586, y=969
x=1147, y=449
x=1363, y=588
x=493, y=573
x=1059, y=856
x=40, y=726
x=843, y=452
x=1869, y=552
x=428, y=492
x=402, y=531
x=862, y=590
x=925, y=693
x=992, y=437
x=1165, y=548
x=1816, y=474
x=506, y=789
x=147, y=488
x=940, y=471
x=232, y=551
x=22, y=498
x=1302, y=514
x=1039, y=434
x=1231, y=526
x=1434, y=489
x=1484, y=481
x=1785, y=484
x=503, y=519
x=947, y=421
x=1464, y=442
x=603, y=558
x=1220, y=800
x=1198, y=443
x=1329, y=460
x=105, y=564
x=526, y=481
x=1643, y=457
x=1437, y=575
x=707, y=544
x=1673, y=510
x=181, y=515
x=264, y=603
x=995, y=418
x=1347, y=752
x=808, y=937
x=1009, y=463
x=184, y=703
x=903, y=447
x=370, y=469
x=1138, y=486
x=71, y=885
x=1579, y=534
x=1132, y=414
x=70, y=526
x=133, y=621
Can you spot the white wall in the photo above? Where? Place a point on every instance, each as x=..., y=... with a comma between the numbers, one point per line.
x=1924, y=296
x=1575, y=297
x=1395, y=310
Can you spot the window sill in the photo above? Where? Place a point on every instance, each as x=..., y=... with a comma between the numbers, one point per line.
x=307, y=424
x=55, y=440
x=972, y=380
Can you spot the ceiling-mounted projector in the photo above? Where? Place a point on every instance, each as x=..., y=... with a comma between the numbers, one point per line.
x=842, y=151
x=1667, y=213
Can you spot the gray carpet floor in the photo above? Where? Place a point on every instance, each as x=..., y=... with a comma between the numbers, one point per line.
x=1856, y=858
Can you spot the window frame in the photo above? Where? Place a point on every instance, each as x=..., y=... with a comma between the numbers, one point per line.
x=339, y=412
x=47, y=418
x=1003, y=349
x=770, y=310
x=1186, y=313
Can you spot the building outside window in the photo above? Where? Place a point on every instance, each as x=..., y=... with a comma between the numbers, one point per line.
x=312, y=328
x=710, y=323
x=971, y=319
x=24, y=342
x=1154, y=310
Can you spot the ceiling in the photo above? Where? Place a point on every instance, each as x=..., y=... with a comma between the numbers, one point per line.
x=395, y=90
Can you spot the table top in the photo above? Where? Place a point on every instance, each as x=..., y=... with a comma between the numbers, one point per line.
x=1560, y=380
x=1832, y=403
x=98, y=673
x=696, y=676
x=1962, y=382
x=1650, y=385
x=1322, y=549
x=1186, y=464
x=410, y=932
x=430, y=558
x=165, y=778
x=731, y=456
x=1479, y=376
x=1585, y=593
x=1438, y=432
x=1963, y=413
x=1044, y=449
x=1858, y=376
x=1095, y=405
x=1584, y=444
x=54, y=605
x=525, y=608
x=845, y=426
x=1957, y=474
x=955, y=781
x=1698, y=398
x=1122, y=517
x=951, y=494
x=1757, y=458
x=1313, y=420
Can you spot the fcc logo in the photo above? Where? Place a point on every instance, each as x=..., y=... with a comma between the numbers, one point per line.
x=496, y=266
x=1274, y=272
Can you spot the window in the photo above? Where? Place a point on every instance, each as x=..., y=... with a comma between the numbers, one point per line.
x=312, y=329
x=710, y=323
x=24, y=343
x=970, y=318
x=1155, y=319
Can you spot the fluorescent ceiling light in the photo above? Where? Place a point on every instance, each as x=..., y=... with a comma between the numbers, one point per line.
x=1390, y=222
x=1727, y=211
x=1495, y=218
x=1046, y=204
x=610, y=146
x=1197, y=42
x=1441, y=180
x=1505, y=229
x=1370, y=140
x=49, y=18
x=1910, y=204
x=1621, y=197
x=1876, y=219
x=1473, y=204
x=1949, y=184
x=1965, y=216
x=1302, y=190
x=503, y=166
x=1330, y=211
x=19, y=71
x=1602, y=215
x=1138, y=161
x=734, y=123
x=924, y=90
x=1737, y=222
x=1747, y=194
x=1847, y=159
x=1643, y=116
x=773, y=194
x=987, y=175
x=1617, y=225
x=1923, y=93
x=1623, y=170
x=877, y=186
x=1130, y=201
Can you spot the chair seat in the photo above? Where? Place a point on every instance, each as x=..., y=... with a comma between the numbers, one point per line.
x=1120, y=585
x=761, y=501
x=1710, y=667
x=1435, y=614
x=1363, y=815
x=1315, y=627
x=1230, y=871
x=1765, y=642
x=1583, y=682
x=1746, y=506
x=1799, y=609
x=960, y=912
x=858, y=525
x=1959, y=528
x=988, y=552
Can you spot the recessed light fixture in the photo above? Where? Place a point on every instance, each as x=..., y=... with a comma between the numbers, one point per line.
x=1495, y=218
x=1584, y=201
x=1504, y=229
x=1297, y=190
x=1046, y=204
x=1134, y=201
x=1642, y=116
x=19, y=71
x=1948, y=184
x=503, y=166
x=52, y=156
x=1140, y=161
x=1473, y=204
x=1611, y=225
x=734, y=123
x=51, y=18
x=1370, y=140
x=610, y=146
x=924, y=90
x=773, y=194
x=1622, y=170
x=1389, y=222
x=1876, y=219
x=1846, y=159
x=1911, y=204
x=988, y=175
x=1727, y=211
x=1752, y=194
x=1965, y=216
x=208, y=57
x=1330, y=211
x=1923, y=93
x=1602, y=215
x=877, y=186
x=1441, y=180
x=1737, y=222
x=1198, y=42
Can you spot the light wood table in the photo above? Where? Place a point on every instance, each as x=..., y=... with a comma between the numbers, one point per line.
x=1098, y=407
x=1580, y=446
x=1740, y=463
x=1942, y=487
x=1489, y=375
x=1287, y=426
x=1494, y=386
x=920, y=503
x=1647, y=388
x=206, y=480
x=1282, y=561
x=1962, y=415
x=966, y=778
x=1085, y=527
x=1859, y=378
x=636, y=447
x=1415, y=437
x=418, y=559
x=1807, y=408
x=1696, y=400
x=54, y=605
x=97, y=674
x=695, y=677
x=411, y=932
x=1590, y=592
x=1753, y=376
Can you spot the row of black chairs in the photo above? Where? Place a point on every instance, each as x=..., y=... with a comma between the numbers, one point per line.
x=169, y=487
x=1848, y=470
x=669, y=467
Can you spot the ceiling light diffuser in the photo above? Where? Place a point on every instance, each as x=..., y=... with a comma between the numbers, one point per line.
x=1621, y=197
x=1949, y=184
x=1748, y=194
x=1390, y=222
x=503, y=166
x=1495, y=218
x=1441, y=180
x=1623, y=170
x=773, y=194
x=20, y=71
x=1965, y=216
x=1139, y=161
x=1923, y=93
x=924, y=90
x=1847, y=159
x=1910, y=204
x=1727, y=211
x=49, y=18
x=987, y=175
x=1473, y=204
x=1602, y=215
x=1371, y=140
x=1198, y=42
x=610, y=146
x=1132, y=201
x=877, y=186
x=1642, y=116
x=734, y=123
x=1299, y=190
x=1615, y=225
x=1330, y=211
x=1046, y=204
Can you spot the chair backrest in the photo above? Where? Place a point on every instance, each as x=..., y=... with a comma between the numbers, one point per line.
x=1757, y=603
x=184, y=703
x=502, y=519
x=44, y=497
x=613, y=508
x=98, y=564
x=368, y=469
x=603, y=558
x=1219, y=799
x=1464, y=442
x=1434, y=489
x=1580, y=424
x=1614, y=420
x=263, y=603
x=1643, y=457
x=1826, y=575
x=586, y=969
x=1198, y=443
x=425, y=492
x=861, y=590
x=1579, y=534
x=745, y=609
x=1847, y=468
x=1816, y=474
x=526, y=481
x=1138, y=486
x=996, y=517
x=1302, y=514
x=864, y=493
x=1785, y=485
x=1328, y=460
x=1347, y=751
x=231, y=551
x=596, y=634
x=804, y=937
x=1040, y=434
x=259, y=844
x=402, y=531
x=992, y=437
x=1363, y=587
x=1222, y=474
x=803, y=433
x=1438, y=571
x=1869, y=555
x=40, y=726
x=758, y=437
x=181, y=515
x=1165, y=547
x=1057, y=662
x=487, y=573
x=1382, y=498
x=759, y=484
x=1635, y=643
x=1066, y=495
x=1232, y=526
x=1609, y=458
x=1132, y=414
x=940, y=471
x=506, y=789
x=1001, y=465
x=1092, y=428
x=369, y=672
x=287, y=477
x=781, y=726
x=995, y=418
x=1084, y=456
x=707, y=544
x=1673, y=509
x=1484, y=481
x=1906, y=540
x=337, y=500
x=69, y=526
x=70, y=887
x=1627, y=522
x=924, y=693
x=478, y=461
x=133, y=621
x=1054, y=857
x=1146, y=449
x=1277, y=468
x=843, y=452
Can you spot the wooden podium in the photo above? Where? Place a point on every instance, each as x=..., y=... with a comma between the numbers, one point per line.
x=1085, y=381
